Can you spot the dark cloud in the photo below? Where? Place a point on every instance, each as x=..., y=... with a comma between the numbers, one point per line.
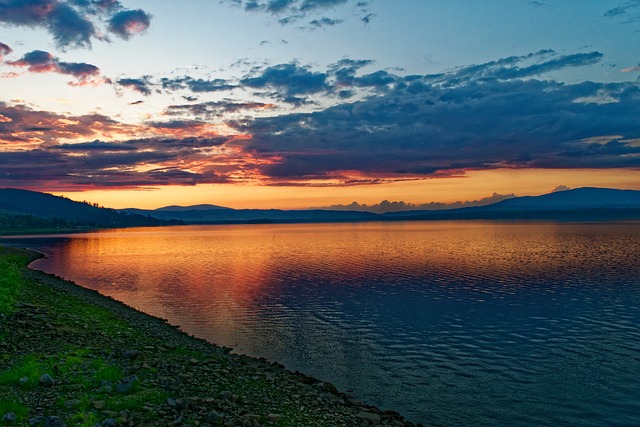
x=500, y=114
x=56, y=169
x=39, y=61
x=21, y=126
x=628, y=12
x=288, y=81
x=127, y=23
x=323, y=22
x=207, y=110
x=141, y=85
x=4, y=50
x=292, y=11
x=31, y=154
x=73, y=23
x=195, y=85
x=487, y=116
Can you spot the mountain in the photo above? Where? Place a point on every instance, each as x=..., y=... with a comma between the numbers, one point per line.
x=30, y=209
x=578, y=198
x=175, y=208
x=580, y=204
x=220, y=215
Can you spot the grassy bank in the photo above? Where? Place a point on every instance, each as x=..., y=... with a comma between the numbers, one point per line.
x=69, y=356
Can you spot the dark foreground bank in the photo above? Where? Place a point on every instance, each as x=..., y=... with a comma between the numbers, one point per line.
x=72, y=357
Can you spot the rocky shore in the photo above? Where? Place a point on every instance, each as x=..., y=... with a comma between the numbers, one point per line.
x=72, y=357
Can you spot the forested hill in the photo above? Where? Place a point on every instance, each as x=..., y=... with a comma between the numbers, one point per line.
x=23, y=209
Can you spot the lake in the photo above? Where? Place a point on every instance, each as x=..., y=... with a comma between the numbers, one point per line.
x=450, y=323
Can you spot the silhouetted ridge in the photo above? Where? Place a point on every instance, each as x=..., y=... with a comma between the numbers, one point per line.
x=586, y=197
x=43, y=209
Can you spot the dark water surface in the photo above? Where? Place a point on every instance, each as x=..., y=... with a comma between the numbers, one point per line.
x=450, y=323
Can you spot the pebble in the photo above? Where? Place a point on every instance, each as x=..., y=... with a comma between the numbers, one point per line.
x=46, y=381
x=9, y=417
x=369, y=417
x=53, y=422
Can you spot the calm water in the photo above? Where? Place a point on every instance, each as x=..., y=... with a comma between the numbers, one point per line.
x=452, y=324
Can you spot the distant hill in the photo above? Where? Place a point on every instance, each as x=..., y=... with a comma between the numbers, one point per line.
x=220, y=215
x=580, y=204
x=28, y=210
x=175, y=208
x=31, y=209
x=578, y=198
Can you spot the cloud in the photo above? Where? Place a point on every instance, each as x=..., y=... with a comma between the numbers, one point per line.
x=4, y=50
x=127, y=23
x=141, y=85
x=628, y=11
x=196, y=85
x=24, y=128
x=208, y=110
x=73, y=23
x=323, y=22
x=288, y=81
x=40, y=149
x=498, y=114
x=486, y=116
x=393, y=206
x=38, y=61
x=292, y=11
x=631, y=69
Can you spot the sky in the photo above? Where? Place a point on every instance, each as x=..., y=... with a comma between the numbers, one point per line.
x=310, y=103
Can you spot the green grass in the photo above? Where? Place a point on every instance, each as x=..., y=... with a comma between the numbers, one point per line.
x=10, y=279
x=7, y=406
x=29, y=368
x=109, y=373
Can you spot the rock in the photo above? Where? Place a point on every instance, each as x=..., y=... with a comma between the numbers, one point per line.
x=9, y=418
x=274, y=418
x=109, y=422
x=70, y=404
x=98, y=404
x=369, y=417
x=215, y=418
x=23, y=381
x=53, y=422
x=124, y=388
x=329, y=388
x=130, y=354
x=126, y=385
x=46, y=381
x=35, y=421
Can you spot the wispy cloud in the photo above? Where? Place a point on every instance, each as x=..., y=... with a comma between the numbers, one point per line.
x=293, y=11
x=629, y=12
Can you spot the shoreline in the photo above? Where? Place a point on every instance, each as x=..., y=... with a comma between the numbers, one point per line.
x=208, y=384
